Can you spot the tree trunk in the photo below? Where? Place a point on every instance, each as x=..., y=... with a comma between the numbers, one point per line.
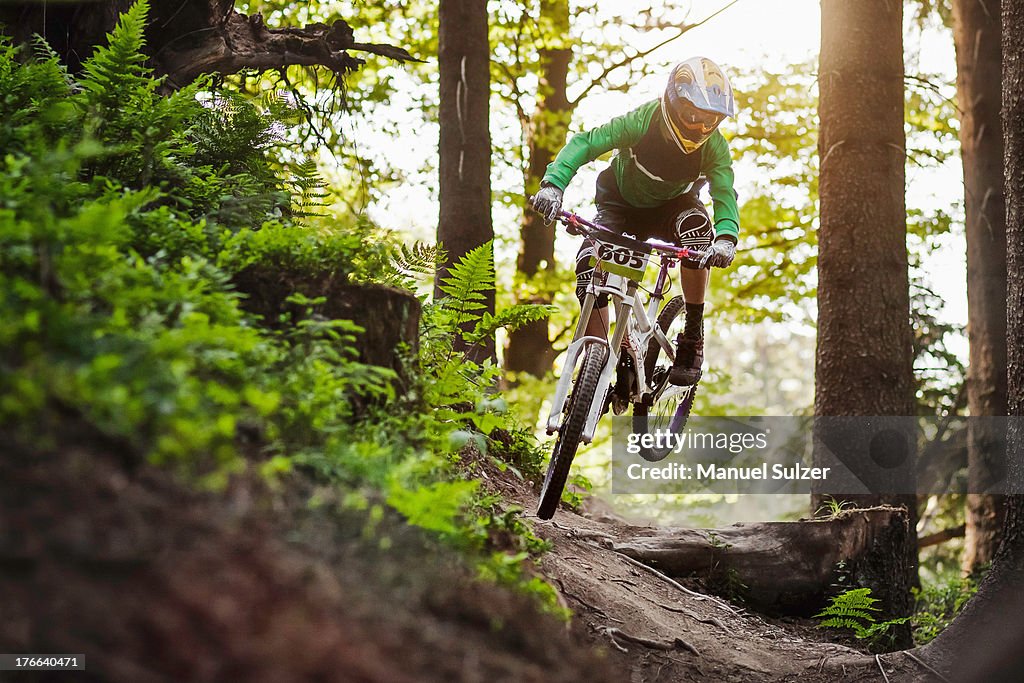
x=986, y=642
x=864, y=358
x=529, y=348
x=979, y=56
x=465, y=144
x=857, y=547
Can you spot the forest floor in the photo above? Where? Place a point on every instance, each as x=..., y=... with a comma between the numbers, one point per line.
x=157, y=582
x=659, y=629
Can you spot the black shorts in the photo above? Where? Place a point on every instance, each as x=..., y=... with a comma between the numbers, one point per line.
x=682, y=221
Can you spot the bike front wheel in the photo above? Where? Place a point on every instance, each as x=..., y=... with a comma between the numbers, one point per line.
x=575, y=419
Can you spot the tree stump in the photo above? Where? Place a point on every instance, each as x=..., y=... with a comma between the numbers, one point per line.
x=389, y=317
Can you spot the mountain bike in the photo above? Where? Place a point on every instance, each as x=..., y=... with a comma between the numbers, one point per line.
x=625, y=371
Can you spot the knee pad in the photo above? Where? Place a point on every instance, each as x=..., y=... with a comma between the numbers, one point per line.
x=694, y=229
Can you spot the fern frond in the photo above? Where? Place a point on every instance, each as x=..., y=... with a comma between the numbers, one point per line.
x=308, y=188
x=33, y=96
x=844, y=612
x=840, y=622
x=41, y=50
x=419, y=259
x=469, y=281
x=511, y=318
x=119, y=66
x=853, y=610
x=281, y=106
x=855, y=598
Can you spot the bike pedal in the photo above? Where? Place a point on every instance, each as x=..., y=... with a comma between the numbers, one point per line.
x=619, y=404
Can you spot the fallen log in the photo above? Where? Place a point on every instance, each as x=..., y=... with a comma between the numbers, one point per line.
x=781, y=567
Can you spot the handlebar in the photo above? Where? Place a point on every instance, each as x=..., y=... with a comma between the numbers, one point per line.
x=577, y=225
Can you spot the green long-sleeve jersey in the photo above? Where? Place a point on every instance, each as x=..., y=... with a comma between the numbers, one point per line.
x=642, y=183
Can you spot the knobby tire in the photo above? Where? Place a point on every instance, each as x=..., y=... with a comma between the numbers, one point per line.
x=669, y=312
x=680, y=412
x=578, y=408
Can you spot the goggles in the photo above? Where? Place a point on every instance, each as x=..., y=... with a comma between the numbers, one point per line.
x=694, y=123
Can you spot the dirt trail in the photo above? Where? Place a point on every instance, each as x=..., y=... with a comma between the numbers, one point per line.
x=662, y=630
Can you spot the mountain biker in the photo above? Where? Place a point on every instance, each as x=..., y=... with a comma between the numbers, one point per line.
x=667, y=149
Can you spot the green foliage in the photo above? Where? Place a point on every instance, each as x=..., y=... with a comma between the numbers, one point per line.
x=435, y=506
x=831, y=508
x=510, y=570
x=125, y=220
x=465, y=289
x=519, y=452
x=469, y=422
x=855, y=610
x=121, y=229
x=773, y=277
x=935, y=606
x=459, y=319
x=410, y=265
x=937, y=368
x=930, y=11
x=462, y=309
x=729, y=585
x=331, y=255
x=576, y=490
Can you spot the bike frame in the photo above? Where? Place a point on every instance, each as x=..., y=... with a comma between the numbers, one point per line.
x=630, y=318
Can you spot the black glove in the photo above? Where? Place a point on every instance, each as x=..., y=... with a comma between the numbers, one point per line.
x=720, y=254
x=548, y=202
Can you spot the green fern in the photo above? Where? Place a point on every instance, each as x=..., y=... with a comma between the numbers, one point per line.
x=466, y=288
x=42, y=52
x=407, y=267
x=142, y=131
x=855, y=610
x=33, y=97
x=308, y=188
x=465, y=291
x=119, y=66
x=511, y=318
x=419, y=259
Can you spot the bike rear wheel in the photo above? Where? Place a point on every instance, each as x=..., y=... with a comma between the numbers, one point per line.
x=666, y=415
x=575, y=419
x=668, y=408
x=670, y=320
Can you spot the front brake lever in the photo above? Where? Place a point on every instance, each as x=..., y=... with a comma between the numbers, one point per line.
x=572, y=226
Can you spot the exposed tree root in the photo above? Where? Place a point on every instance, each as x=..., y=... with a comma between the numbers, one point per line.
x=694, y=594
x=614, y=633
x=878, y=661
x=927, y=666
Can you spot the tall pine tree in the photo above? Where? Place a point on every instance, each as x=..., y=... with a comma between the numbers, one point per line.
x=864, y=357
x=977, y=29
x=465, y=140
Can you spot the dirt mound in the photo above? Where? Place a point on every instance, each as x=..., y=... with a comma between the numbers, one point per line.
x=155, y=582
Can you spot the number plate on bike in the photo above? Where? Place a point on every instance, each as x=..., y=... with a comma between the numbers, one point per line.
x=621, y=260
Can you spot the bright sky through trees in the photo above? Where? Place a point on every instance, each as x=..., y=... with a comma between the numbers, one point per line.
x=747, y=36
